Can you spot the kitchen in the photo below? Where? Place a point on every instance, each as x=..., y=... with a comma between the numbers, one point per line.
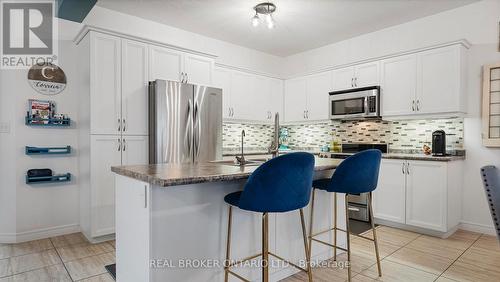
x=430, y=78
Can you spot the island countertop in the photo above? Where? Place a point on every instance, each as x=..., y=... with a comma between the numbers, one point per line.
x=165, y=175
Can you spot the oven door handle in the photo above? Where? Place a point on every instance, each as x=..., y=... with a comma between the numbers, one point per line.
x=367, y=109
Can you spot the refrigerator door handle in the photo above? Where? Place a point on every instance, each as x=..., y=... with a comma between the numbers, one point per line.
x=196, y=130
x=188, y=144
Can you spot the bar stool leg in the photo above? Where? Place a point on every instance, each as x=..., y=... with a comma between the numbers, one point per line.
x=306, y=248
x=228, y=244
x=311, y=219
x=348, y=232
x=335, y=226
x=265, y=248
x=375, y=241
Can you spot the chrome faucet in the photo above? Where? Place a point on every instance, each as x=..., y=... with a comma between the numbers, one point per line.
x=241, y=159
x=275, y=145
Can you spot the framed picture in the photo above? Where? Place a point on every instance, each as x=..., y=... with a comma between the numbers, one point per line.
x=41, y=110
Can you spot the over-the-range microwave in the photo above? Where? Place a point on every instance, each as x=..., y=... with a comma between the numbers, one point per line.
x=358, y=103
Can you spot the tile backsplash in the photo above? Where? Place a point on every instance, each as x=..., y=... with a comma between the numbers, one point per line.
x=408, y=134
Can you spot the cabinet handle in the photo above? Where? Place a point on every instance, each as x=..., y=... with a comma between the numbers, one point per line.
x=232, y=111
x=356, y=82
x=352, y=81
x=413, y=105
x=307, y=114
x=145, y=196
x=418, y=105
x=183, y=80
x=124, y=127
x=124, y=147
x=407, y=168
x=119, y=145
x=119, y=124
x=403, y=168
x=187, y=78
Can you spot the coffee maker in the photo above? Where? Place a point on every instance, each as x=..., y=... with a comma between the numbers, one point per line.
x=439, y=143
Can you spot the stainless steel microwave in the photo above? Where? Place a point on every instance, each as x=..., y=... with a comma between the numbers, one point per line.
x=358, y=103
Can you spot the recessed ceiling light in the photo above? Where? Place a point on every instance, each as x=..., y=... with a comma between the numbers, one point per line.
x=266, y=9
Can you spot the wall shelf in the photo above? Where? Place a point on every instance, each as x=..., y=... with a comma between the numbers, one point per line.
x=47, y=122
x=48, y=179
x=47, y=150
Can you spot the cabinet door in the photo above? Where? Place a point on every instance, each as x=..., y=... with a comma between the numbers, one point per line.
x=243, y=98
x=222, y=79
x=367, y=75
x=164, y=63
x=105, y=88
x=135, y=150
x=133, y=229
x=198, y=69
x=399, y=80
x=134, y=88
x=389, y=197
x=318, y=87
x=295, y=99
x=439, y=78
x=105, y=152
x=276, y=99
x=261, y=99
x=426, y=195
x=343, y=78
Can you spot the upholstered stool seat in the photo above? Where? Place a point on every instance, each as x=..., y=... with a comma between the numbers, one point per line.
x=233, y=198
x=279, y=185
x=321, y=184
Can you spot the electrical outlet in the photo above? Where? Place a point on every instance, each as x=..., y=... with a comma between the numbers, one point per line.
x=4, y=127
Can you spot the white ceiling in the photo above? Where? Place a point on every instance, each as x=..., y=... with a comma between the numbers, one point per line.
x=300, y=24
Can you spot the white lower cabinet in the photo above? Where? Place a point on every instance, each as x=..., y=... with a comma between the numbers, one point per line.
x=107, y=151
x=422, y=194
x=389, y=197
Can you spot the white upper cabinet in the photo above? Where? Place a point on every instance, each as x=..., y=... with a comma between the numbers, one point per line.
x=367, y=74
x=356, y=76
x=318, y=87
x=105, y=84
x=222, y=79
x=175, y=65
x=295, y=99
x=389, y=197
x=134, y=88
x=198, y=69
x=243, y=97
x=343, y=78
x=276, y=98
x=398, y=87
x=439, y=76
x=164, y=64
x=424, y=84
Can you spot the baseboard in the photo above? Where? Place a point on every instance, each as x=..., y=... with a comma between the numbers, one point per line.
x=39, y=233
x=477, y=227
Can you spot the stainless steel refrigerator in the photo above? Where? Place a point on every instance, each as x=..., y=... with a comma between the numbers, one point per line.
x=185, y=122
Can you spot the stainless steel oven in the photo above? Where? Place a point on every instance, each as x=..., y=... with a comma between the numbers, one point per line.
x=359, y=103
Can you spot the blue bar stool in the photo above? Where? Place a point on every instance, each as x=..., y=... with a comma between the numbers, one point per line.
x=280, y=185
x=356, y=174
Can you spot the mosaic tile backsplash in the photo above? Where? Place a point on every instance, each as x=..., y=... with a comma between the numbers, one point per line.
x=410, y=134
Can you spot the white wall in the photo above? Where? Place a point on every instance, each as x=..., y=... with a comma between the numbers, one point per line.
x=477, y=22
x=228, y=54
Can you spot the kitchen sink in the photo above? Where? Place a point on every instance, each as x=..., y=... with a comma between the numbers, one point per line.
x=249, y=162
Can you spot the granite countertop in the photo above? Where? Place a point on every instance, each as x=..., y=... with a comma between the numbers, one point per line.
x=406, y=156
x=165, y=175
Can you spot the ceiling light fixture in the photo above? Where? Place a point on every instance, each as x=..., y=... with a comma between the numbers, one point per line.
x=266, y=9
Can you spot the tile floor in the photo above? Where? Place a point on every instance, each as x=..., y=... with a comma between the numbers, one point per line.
x=406, y=256
x=59, y=259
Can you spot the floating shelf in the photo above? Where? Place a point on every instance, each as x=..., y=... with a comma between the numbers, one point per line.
x=47, y=121
x=47, y=150
x=48, y=179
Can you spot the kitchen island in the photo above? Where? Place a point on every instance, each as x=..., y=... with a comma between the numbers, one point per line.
x=171, y=223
